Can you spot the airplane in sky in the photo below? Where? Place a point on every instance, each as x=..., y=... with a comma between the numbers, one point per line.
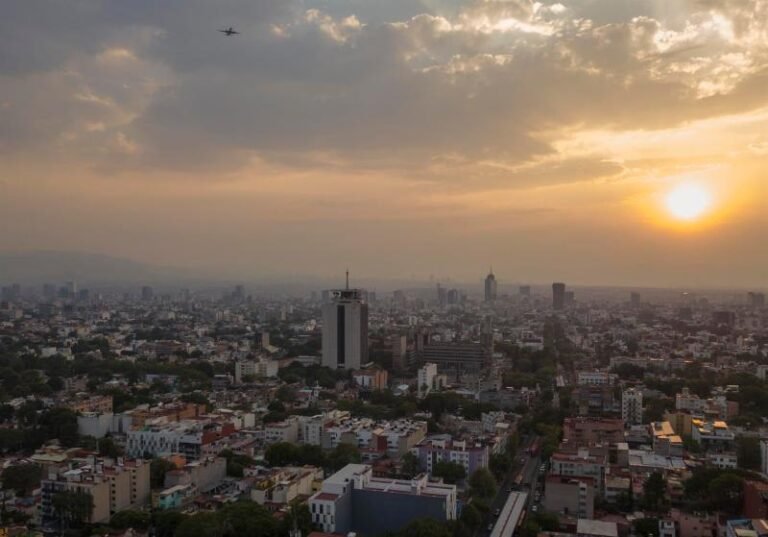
x=229, y=31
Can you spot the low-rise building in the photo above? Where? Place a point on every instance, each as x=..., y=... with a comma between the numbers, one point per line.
x=570, y=496
x=442, y=448
x=352, y=500
x=113, y=486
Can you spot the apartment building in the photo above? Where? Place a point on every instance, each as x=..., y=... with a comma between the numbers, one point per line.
x=442, y=448
x=571, y=496
x=113, y=485
x=352, y=500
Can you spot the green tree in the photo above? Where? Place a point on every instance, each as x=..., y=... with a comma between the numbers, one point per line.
x=298, y=516
x=157, y=470
x=654, y=493
x=138, y=520
x=451, y=472
x=108, y=448
x=200, y=525
x=471, y=517
x=726, y=493
x=748, y=450
x=409, y=465
x=22, y=478
x=281, y=454
x=72, y=508
x=499, y=465
x=247, y=518
x=645, y=527
x=342, y=455
x=425, y=527
x=60, y=423
x=482, y=484
x=312, y=455
x=236, y=464
x=166, y=522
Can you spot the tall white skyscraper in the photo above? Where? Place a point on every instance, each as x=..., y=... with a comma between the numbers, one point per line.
x=345, y=329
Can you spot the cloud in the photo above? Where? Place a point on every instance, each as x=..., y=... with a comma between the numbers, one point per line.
x=484, y=84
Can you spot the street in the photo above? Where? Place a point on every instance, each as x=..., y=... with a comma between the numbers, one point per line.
x=523, y=476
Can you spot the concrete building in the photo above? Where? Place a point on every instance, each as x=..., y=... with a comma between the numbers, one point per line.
x=456, y=359
x=371, y=379
x=277, y=487
x=395, y=438
x=713, y=435
x=283, y=431
x=632, y=406
x=596, y=528
x=255, y=369
x=190, y=439
x=581, y=464
x=596, y=378
x=490, y=287
x=666, y=441
x=352, y=500
x=113, y=486
x=204, y=474
x=667, y=528
x=426, y=379
x=570, y=496
x=345, y=329
x=558, y=296
x=442, y=448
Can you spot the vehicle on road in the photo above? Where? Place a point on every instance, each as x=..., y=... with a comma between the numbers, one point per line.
x=497, y=512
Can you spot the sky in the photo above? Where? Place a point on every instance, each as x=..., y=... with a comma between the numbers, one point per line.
x=404, y=138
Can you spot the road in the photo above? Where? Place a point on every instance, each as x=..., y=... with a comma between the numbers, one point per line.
x=527, y=467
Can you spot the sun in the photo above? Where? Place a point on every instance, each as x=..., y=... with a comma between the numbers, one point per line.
x=688, y=202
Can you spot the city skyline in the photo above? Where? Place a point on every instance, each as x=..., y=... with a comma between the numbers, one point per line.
x=591, y=141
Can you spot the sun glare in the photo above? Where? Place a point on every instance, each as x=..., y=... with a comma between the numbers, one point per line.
x=688, y=201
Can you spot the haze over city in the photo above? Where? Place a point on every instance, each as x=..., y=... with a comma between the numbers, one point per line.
x=594, y=141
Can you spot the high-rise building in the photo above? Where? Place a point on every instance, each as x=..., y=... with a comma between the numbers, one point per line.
x=558, y=296
x=345, y=329
x=442, y=295
x=634, y=299
x=147, y=293
x=632, y=406
x=490, y=287
x=49, y=290
x=426, y=379
x=756, y=300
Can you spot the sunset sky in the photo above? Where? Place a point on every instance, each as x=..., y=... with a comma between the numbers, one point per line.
x=396, y=137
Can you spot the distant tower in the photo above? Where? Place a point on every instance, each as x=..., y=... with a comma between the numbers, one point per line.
x=635, y=299
x=345, y=328
x=558, y=296
x=147, y=293
x=490, y=287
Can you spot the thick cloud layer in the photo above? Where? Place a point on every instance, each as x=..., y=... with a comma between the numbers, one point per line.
x=306, y=84
x=497, y=117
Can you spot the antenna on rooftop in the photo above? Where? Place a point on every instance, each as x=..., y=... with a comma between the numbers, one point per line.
x=347, y=279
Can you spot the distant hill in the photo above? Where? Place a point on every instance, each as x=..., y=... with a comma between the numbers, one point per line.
x=37, y=267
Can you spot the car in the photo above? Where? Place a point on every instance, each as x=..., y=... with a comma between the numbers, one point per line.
x=534, y=508
x=497, y=512
x=490, y=526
